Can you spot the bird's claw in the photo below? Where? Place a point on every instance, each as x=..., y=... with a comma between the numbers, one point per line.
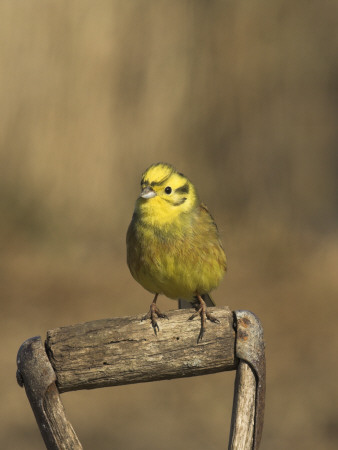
x=152, y=313
x=211, y=317
x=201, y=334
x=194, y=315
x=155, y=326
x=205, y=315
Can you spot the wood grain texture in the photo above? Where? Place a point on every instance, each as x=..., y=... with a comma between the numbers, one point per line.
x=125, y=350
x=250, y=347
x=61, y=434
x=36, y=374
x=244, y=409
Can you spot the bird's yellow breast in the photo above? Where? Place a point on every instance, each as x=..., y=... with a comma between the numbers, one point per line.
x=178, y=258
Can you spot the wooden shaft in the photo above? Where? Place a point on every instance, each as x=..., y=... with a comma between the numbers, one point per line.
x=243, y=410
x=36, y=374
x=119, y=351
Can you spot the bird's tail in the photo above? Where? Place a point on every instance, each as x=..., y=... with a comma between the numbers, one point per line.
x=185, y=304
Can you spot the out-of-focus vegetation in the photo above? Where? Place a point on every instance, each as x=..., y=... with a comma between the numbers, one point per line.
x=242, y=98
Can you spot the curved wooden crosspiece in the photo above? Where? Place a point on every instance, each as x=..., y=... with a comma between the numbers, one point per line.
x=125, y=350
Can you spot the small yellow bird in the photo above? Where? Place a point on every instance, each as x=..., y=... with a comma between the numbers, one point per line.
x=173, y=245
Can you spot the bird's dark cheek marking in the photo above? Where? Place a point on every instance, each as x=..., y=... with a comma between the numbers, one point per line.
x=183, y=189
x=180, y=202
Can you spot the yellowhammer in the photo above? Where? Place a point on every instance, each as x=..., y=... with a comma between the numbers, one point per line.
x=173, y=245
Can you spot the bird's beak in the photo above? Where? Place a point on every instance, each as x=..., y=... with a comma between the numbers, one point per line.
x=148, y=192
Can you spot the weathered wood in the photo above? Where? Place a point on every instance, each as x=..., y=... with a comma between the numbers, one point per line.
x=250, y=347
x=36, y=374
x=118, y=351
x=125, y=350
x=244, y=409
x=59, y=428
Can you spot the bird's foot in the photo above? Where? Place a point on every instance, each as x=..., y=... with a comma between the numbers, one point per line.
x=152, y=314
x=202, y=311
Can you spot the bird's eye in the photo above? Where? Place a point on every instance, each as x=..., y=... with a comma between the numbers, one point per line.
x=167, y=190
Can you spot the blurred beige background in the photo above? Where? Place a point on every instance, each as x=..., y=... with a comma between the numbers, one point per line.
x=242, y=98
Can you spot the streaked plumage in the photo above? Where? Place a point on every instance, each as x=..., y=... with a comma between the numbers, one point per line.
x=173, y=245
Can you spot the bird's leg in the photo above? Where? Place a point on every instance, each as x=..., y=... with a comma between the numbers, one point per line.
x=202, y=311
x=152, y=313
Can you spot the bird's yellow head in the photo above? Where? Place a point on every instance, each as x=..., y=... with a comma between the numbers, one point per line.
x=165, y=194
